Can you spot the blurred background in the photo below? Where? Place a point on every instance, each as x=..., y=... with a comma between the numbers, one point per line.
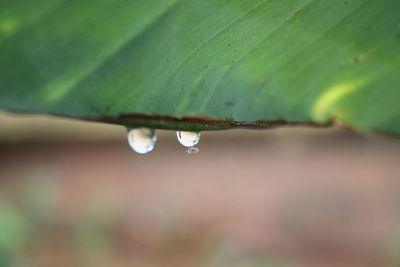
x=74, y=194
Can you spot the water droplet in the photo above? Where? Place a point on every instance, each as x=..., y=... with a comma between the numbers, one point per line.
x=188, y=139
x=142, y=140
x=192, y=150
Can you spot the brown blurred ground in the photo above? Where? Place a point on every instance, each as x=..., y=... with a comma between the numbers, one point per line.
x=288, y=197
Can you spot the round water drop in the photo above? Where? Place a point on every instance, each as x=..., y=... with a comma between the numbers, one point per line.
x=142, y=140
x=188, y=139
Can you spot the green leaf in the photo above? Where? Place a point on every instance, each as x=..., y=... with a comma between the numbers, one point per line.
x=209, y=64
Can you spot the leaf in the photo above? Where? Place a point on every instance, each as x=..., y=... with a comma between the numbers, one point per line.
x=201, y=65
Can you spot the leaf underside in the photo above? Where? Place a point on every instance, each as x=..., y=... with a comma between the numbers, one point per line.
x=204, y=65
